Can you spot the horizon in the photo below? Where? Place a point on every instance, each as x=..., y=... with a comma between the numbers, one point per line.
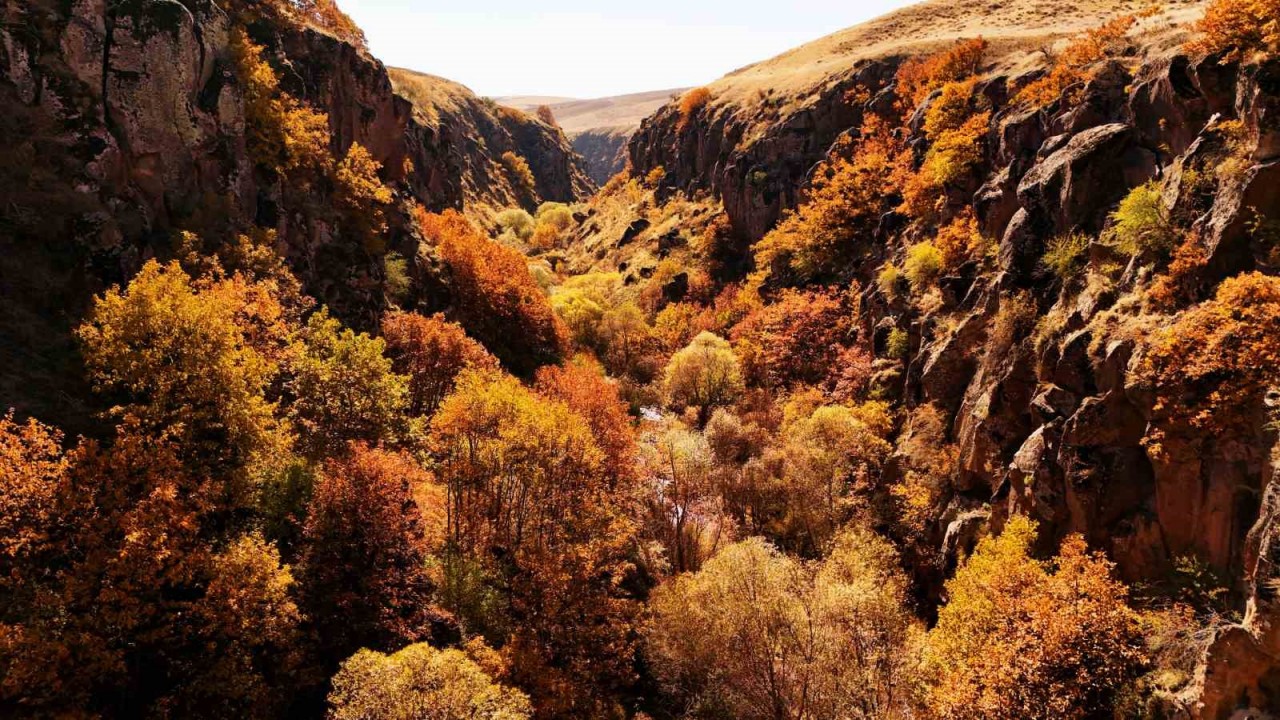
x=575, y=50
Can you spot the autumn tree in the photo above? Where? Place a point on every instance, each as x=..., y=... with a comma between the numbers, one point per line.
x=757, y=634
x=343, y=388
x=363, y=576
x=1023, y=638
x=1078, y=62
x=798, y=338
x=691, y=103
x=583, y=387
x=431, y=352
x=848, y=194
x=917, y=78
x=495, y=297
x=704, y=375
x=133, y=612
x=362, y=198
x=1210, y=369
x=684, y=507
x=420, y=682
x=1239, y=29
x=282, y=133
x=534, y=526
x=519, y=175
x=190, y=360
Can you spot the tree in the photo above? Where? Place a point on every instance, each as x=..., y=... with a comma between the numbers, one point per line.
x=520, y=175
x=495, y=298
x=849, y=194
x=1024, y=638
x=546, y=115
x=756, y=634
x=583, y=387
x=363, y=575
x=190, y=360
x=282, y=134
x=1211, y=368
x=917, y=78
x=250, y=633
x=343, y=388
x=705, y=374
x=799, y=337
x=420, y=682
x=362, y=198
x=1077, y=63
x=534, y=517
x=1239, y=29
x=432, y=352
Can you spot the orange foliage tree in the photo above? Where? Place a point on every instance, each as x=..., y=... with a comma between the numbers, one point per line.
x=1239, y=29
x=917, y=78
x=495, y=297
x=798, y=338
x=1211, y=368
x=848, y=196
x=583, y=387
x=1076, y=63
x=432, y=352
x=536, y=527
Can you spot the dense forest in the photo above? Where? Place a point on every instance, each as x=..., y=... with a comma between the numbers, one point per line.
x=375, y=409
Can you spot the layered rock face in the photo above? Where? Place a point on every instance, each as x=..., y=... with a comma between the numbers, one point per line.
x=124, y=123
x=605, y=151
x=1057, y=427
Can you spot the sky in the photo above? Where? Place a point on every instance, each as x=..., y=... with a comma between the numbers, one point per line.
x=587, y=49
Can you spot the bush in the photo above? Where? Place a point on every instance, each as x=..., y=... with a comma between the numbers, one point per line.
x=898, y=344
x=1141, y=224
x=517, y=222
x=519, y=174
x=495, y=297
x=1066, y=256
x=690, y=103
x=1240, y=29
x=889, y=280
x=1074, y=65
x=923, y=265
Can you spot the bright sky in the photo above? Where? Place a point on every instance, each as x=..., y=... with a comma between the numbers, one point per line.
x=594, y=48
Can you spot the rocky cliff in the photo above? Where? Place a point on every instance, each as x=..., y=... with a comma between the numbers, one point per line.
x=604, y=150
x=125, y=123
x=1047, y=382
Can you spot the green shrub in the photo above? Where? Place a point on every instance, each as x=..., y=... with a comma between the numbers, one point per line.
x=889, y=280
x=1066, y=255
x=517, y=222
x=898, y=346
x=923, y=265
x=1141, y=223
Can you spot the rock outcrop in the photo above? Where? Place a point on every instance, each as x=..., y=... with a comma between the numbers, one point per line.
x=124, y=123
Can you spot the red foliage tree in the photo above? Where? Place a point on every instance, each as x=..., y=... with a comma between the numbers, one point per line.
x=363, y=569
x=432, y=351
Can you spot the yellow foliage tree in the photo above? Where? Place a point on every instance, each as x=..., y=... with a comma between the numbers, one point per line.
x=421, y=683
x=362, y=197
x=1030, y=639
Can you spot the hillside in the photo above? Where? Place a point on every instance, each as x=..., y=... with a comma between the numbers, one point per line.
x=929, y=371
x=490, y=130
x=779, y=116
x=601, y=127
